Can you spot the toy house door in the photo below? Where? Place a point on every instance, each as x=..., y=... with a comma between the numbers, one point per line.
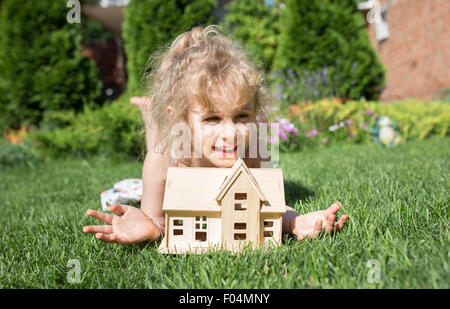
x=240, y=215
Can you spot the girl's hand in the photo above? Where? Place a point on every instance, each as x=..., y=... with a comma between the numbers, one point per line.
x=314, y=223
x=131, y=225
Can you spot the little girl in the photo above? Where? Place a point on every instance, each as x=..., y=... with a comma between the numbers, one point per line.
x=204, y=82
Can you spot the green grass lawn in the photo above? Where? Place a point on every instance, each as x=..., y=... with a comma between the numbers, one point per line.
x=397, y=200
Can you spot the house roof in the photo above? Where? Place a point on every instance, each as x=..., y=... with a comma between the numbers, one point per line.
x=239, y=166
x=197, y=188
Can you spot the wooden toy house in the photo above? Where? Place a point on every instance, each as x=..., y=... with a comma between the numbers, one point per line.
x=222, y=208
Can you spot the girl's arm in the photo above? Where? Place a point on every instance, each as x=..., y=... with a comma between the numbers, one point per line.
x=153, y=182
x=154, y=169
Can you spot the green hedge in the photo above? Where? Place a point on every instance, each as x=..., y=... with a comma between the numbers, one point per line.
x=330, y=35
x=150, y=24
x=255, y=24
x=41, y=63
x=115, y=129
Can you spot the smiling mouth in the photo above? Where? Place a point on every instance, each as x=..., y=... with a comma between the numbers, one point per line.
x=224, y=150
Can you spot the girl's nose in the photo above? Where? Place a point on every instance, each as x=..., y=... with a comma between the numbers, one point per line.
x=228, y=133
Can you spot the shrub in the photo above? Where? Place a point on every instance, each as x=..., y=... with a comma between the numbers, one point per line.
x=255, y=24
x=41, y=63
x=93, y=31
x=417, y=119
x=329, y=122
x=443, y=95
x=111, y=129
x=11, y=154
x=52, y=120
x=150, y=24
x=330, y=34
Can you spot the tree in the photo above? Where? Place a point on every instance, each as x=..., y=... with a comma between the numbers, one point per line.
x=151, y=24
x=41, y=63
x=330, y=34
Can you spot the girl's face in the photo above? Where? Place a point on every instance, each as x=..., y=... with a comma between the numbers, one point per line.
x=220, y=136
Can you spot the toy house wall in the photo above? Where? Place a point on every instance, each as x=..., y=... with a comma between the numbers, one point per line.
x=193, y=229
x=270, y=228
x=240, y=221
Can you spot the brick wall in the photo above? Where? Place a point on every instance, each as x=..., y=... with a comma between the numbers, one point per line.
x=417, y=52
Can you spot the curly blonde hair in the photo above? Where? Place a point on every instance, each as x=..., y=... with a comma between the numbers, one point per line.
x=196, y=65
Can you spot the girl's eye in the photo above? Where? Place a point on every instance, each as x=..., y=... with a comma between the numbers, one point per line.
x=242, y=116
x=214, y=118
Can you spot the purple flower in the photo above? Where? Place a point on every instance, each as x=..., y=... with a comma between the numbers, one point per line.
x=312, y=133
x=324, y=141
x=348, y=122
x=290, y=128
x=352, y=134
x=364, y=126
x=333, y=128
x=282, y=135
x=290, y=72
x=369, y=112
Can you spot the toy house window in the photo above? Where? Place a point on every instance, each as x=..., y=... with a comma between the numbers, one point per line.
x=268, y=228
x=240, y=226
x=201, y=228
x=240, y=206
x=240, y=196
x=240, y=201
x=177, y=227
x=268, y=234
x=268, y=223
x=240, y=231
x=240, y=236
